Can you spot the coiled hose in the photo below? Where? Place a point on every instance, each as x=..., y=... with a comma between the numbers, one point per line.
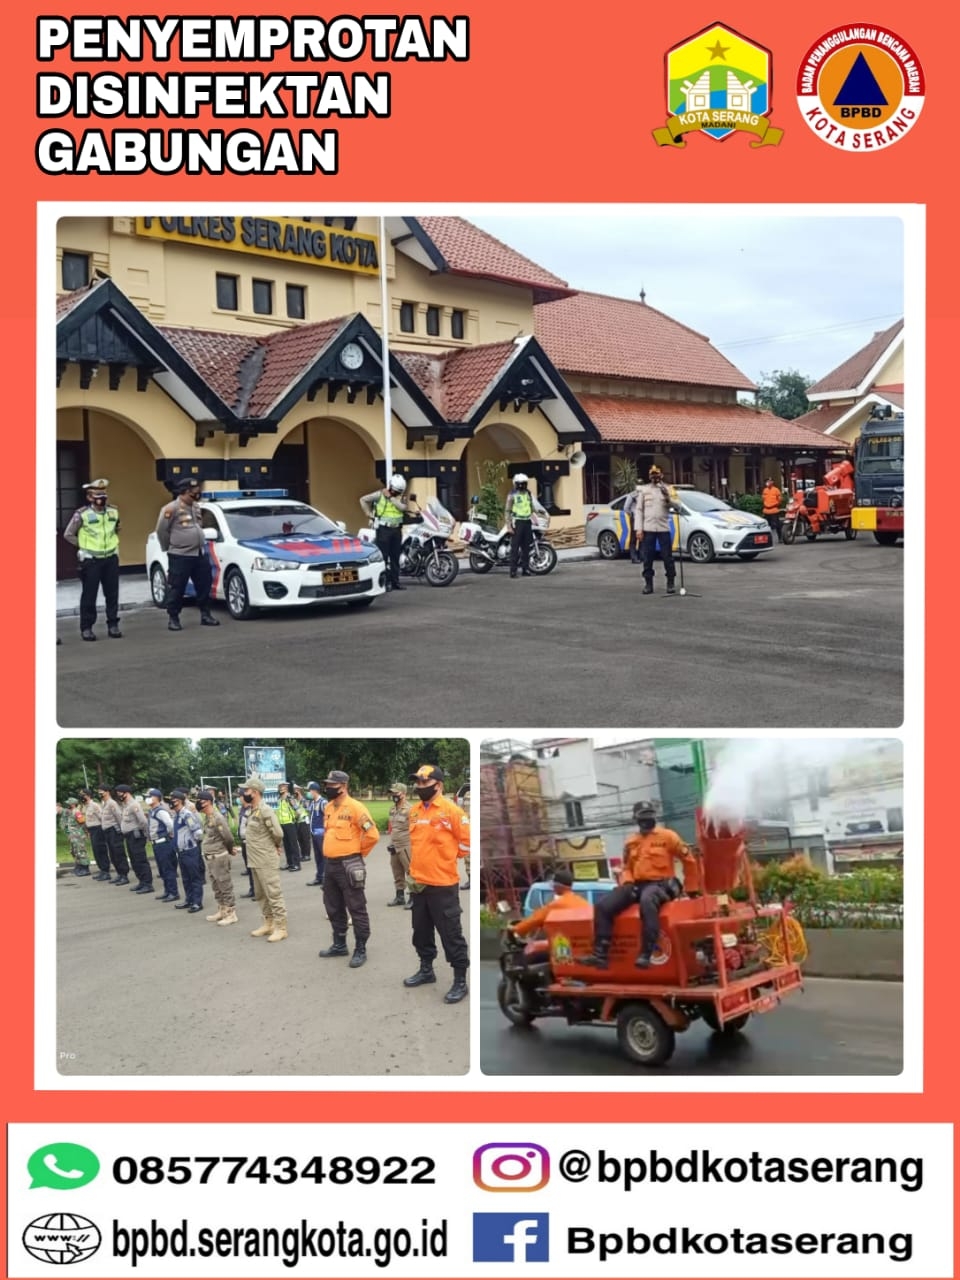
x=772, y=940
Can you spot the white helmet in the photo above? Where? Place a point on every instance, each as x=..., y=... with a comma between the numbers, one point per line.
x=520, y=478
x=397, y=484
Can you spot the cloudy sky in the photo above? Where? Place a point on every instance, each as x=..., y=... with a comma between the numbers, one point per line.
x=770, y=291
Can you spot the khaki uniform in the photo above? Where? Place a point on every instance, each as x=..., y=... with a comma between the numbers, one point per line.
x=264, y=840
x=217, y=850
x=400, y=842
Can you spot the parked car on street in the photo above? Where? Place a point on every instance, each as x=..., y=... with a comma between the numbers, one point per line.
x=268, y=551
x=709, y=527
x=541, y=892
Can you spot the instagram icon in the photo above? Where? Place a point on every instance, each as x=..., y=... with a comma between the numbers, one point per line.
x=511, y=1166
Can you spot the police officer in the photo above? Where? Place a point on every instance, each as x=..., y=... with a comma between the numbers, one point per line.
x=98, y=843
x=180, y=534
x=133, y=826
x=288, y=817
x=110, y=822
x=302, y=806
x=398, y=829
x=187, y=833
x=218, y=848
x=317, y=829
x=70, y=815
x=95, y=531
x=654, y=504
x=160, y=830
x=350, y=834
x=387, y=507
x=264, y=842
x=519, y=513
x=439, y=836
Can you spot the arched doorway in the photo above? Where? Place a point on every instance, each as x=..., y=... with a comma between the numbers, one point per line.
x=497, y=442
x=330, y=463
x=93, y=443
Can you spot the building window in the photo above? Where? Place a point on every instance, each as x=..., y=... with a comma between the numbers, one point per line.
x=263, y=297
x=228, y=298
x=685, y=470
x=457, y=326
x=433, y=321
x=75, y=270
x=407, y=314
x=574, y=813
x=751, y=474
x=296, y=302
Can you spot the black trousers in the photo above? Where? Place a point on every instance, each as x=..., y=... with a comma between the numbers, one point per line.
x=649, y=549
x=291, y=843
x=118, y=854
x=520, y=546
x=98, y=843
x=137, y=853
x=94, y=575
x=436, y=910
x=390, y=540
x=650, y=894
x=306, y=844
x=341, y=896
x=318, y=859
x=180, y=571
x=773, y=520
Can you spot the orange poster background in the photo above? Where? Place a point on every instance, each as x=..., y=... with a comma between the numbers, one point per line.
x=557, y=103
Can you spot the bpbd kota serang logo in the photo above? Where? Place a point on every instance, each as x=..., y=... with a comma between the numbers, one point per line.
x=719, y=84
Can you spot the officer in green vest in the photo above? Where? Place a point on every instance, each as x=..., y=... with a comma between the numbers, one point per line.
x=519, y=513
x=95, y=531
x=386, y=508
x=288, y=816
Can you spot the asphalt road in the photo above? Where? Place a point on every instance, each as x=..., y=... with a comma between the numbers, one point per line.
x=832, y=1028
x=811, y=635
x=143, y=989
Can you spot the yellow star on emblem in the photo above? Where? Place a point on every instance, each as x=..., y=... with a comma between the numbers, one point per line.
x=718, y=50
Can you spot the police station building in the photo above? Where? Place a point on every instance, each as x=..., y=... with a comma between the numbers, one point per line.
x=246, y=351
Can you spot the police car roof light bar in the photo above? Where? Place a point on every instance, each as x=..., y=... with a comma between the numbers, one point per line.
x=230, y=495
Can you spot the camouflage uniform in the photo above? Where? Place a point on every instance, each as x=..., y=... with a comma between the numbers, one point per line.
x=75, y=834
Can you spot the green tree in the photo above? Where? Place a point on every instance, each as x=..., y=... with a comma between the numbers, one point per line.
x=624, y=475
x=492, y=495
x=143, y=762
x=784, y=392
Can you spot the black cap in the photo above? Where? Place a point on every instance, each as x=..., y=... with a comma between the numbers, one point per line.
x=427, y=773
x=205, y=797
x=121, y=787
x=562, y=877
x=186, y=484
x=337, y=778
x=178, y=793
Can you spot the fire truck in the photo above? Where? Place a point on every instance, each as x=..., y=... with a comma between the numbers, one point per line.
x=878, y=476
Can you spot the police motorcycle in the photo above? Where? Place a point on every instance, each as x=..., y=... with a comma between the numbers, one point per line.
x=487, y=547
x=423, y=553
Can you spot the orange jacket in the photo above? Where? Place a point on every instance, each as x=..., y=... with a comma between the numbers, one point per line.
x=651, y=857
x=348, y=829
x=535, y=921
x=771, y=499
x=439, y=835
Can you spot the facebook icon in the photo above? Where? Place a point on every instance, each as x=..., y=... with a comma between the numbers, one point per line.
x=509, y=1237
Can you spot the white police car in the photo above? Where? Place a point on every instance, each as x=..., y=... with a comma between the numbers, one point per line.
x=268, y=551
x=709, y=527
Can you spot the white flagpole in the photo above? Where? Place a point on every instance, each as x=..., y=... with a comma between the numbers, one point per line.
x=385, y=355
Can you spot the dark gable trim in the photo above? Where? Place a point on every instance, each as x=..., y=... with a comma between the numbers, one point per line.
x=427, y=245
x=357, y=329
x=532, y=350
x=108, y=297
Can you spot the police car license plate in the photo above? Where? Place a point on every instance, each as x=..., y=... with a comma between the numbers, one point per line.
x=333, y=577
x=761, y=537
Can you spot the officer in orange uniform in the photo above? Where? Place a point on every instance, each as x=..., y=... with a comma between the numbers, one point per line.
x=771, y=505
x=349, y=835
x=649, y=879
x=439, y=835
x=564, y=898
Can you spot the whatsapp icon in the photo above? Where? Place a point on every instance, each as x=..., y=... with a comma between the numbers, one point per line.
x=63, y=1166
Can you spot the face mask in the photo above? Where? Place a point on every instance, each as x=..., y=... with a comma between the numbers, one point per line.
x=331, y=792
x=427, y=793
x=647, y=825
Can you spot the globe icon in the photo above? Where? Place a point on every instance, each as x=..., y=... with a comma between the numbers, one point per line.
x=61, y=1238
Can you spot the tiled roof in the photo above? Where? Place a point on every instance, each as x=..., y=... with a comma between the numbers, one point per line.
x=455, y=380
x=852, y=372
x=468, y=251
x=591, y=333
x=289, y=353
x=216, y=356
x=823, y=418
x=67, y=301
x=668, y=421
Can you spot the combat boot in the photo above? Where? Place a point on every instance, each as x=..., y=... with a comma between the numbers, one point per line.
x=279, y=931
x=458, y=991
x=338, y=948
x=359, y=956
x=221, y=912
x=265, y=928
x=397, y=899
x=423, y=975
x=600, y=958
x=229, y=917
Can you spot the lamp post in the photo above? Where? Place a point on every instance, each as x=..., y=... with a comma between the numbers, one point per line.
x=385, y=355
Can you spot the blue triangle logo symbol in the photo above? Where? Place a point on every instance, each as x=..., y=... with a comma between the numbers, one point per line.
x=860, y=89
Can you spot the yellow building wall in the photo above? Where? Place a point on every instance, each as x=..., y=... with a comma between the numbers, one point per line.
x=892, y=371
